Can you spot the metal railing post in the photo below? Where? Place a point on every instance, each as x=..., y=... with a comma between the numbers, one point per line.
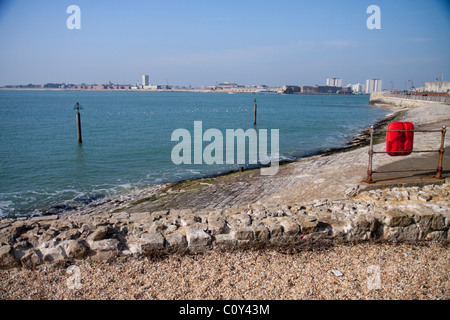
x=441, y=154
x=369, y=169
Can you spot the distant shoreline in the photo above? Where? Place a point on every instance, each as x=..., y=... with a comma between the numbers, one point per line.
x=180, y=90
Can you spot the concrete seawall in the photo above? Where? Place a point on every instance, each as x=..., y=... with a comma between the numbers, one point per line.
x=404, y=101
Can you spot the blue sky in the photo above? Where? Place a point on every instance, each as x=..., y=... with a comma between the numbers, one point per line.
x=202, y=43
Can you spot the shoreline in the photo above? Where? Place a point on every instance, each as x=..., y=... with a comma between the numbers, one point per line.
x=361, y=139
x=181, y=91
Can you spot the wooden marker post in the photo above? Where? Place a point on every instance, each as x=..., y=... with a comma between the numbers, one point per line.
x=78, y=107
x=254, y=114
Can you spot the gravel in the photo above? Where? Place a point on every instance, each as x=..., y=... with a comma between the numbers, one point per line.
x=341, y=271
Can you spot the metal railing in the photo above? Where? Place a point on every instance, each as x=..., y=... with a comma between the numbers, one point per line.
x=441, y=150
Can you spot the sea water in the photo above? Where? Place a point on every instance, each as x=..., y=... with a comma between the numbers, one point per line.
x=127, y=138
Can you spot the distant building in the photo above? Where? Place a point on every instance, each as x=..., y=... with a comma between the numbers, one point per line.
x=227, y=86
x=145, y=80
x=317, y=90
x=334, y=82
x=326, y=89
x=291, y=89
x=373, y=85
x=436, y=86
x=359, y=88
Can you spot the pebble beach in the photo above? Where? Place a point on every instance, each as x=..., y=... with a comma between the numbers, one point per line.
x=345, y=271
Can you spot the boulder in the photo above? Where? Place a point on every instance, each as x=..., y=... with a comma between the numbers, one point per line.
x=225, y=241
x=409, y=233
x=189, y=220
x=151, y=241
x=176, y=242
x=77, y=249
x=7, y=258
x=100, y=233
x=54, y=251
x=290, y=228
x=217, y=224
x=262, y=234
x=31, y=259
x=308, y=225
x=106, y=249
x=243, y=219
x=397, y=218
x=197, y=239
x=436, y=236
x=275, y=229
x=244, y=233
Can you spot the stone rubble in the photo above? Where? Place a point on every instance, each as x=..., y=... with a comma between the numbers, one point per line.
x=392, y=214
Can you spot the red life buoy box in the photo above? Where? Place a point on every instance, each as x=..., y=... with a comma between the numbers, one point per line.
x=399, y=141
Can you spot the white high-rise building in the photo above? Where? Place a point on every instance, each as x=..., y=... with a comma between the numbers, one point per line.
x=334, y=82
x=359, y=88
x=145, y=80
x=373, y=85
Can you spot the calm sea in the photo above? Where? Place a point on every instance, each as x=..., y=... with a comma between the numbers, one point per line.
x=127, y=138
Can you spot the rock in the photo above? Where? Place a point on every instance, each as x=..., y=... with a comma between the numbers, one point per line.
x=397, y=218
x=436, y=236
x=31, y=259
x=197, y=239
x=290, y=228
x=151, y=241
x=6, y=237
x=53, y=251
x=225, y=241
x=275, y=229
x=428, y=219
x=100, y=233
x=104, y=245
x=424, y=196
x=217, y=225
x=352, y=191
x=244, y=233
x=18, y=228
x=77, y=249
x=308, y=225
x=363, y=228
x=409, y=233
x=262, y=234
x=118, y=217
x=190, y=219
x=158, y=215
x=243, y=219
x=48, y=235
x=158, y=227
x=106, y=249
x=69, y=235
x=405, y=194
x=171, y=228
x=21, y=248
x=7, y=258
x=176, y=242
x=438, y=222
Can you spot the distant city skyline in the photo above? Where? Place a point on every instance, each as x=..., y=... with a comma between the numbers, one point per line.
x=202, y=43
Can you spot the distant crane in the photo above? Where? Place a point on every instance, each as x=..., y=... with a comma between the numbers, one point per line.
x=412, y=84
